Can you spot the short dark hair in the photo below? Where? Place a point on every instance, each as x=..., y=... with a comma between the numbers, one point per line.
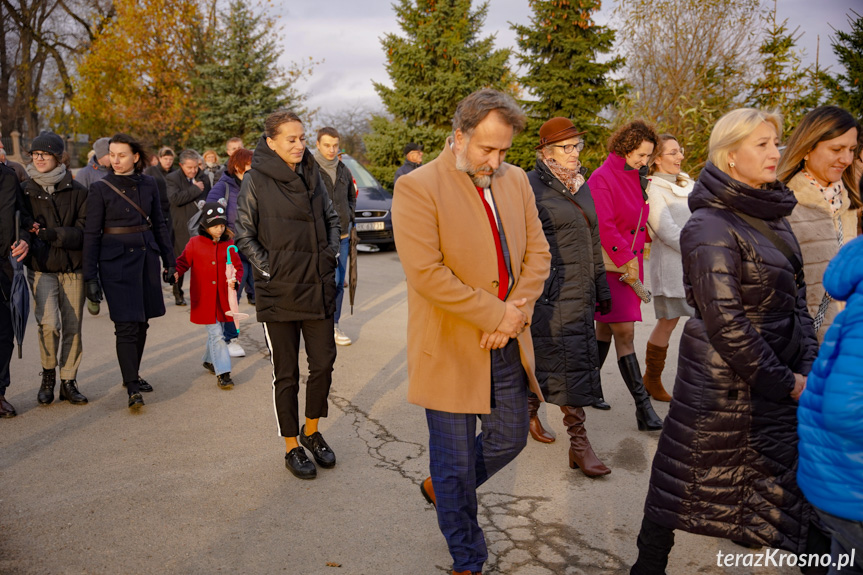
x=234, y=140
x=629, y=137
x=327, y=131
x=136, y=147
x=239, y=159
x=275, y=120
x=473, y=109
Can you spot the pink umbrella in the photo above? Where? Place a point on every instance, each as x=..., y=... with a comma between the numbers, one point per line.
x=231, y=275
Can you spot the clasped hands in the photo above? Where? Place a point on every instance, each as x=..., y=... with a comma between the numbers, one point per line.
x=513, y=323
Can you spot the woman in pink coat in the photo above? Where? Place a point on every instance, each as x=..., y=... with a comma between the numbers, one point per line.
x=619, y=191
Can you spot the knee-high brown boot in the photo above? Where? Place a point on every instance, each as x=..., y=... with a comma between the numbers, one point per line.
x=581, y=454
x=655, y=361
x=537, y=431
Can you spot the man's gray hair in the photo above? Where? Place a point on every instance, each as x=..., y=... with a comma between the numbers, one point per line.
x=189, y=155
x=473, y=110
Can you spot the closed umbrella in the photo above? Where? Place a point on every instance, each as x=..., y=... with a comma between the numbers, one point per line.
x=230, y=277
x=19, y=299
x=352, y=269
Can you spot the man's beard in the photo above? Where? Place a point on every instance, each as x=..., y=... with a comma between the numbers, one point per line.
x=464, y=165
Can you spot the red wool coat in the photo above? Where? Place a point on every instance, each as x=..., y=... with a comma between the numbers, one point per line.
x=209, y=292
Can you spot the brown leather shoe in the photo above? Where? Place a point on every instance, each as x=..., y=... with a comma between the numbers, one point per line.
x=581, y=453
x=6, y=409
x=537, y=431
x=428, y=491
x=655, y=361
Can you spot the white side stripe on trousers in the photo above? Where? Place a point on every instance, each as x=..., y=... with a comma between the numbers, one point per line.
x=270, y=347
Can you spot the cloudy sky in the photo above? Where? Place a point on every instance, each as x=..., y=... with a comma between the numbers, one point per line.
x=346, y=34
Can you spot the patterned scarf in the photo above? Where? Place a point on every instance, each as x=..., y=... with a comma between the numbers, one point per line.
x=572, y=179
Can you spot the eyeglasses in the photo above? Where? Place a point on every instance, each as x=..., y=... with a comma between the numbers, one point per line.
x=40, y=155
x=568, y=148
x=675, y=153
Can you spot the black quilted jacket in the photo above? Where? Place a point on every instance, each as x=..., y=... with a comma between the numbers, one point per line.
x=727, y=458
x=564, y=339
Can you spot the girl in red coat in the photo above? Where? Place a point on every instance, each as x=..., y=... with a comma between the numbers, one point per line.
x=206, y=255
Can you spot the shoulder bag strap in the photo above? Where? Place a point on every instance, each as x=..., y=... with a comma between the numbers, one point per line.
x=789, y=354
x=777, y=241
x=125, y=197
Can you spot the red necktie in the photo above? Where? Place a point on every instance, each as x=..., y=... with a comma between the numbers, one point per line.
x=503, y=274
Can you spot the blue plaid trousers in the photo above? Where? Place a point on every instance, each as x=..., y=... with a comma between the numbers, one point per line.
x=461, y=460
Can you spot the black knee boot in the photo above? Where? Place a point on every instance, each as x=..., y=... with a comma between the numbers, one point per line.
x=603, y=347
x=644, y=414
x=654, y=546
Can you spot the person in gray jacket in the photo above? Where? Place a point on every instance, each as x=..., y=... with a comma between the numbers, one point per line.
x=97, y=167
x=340, y=187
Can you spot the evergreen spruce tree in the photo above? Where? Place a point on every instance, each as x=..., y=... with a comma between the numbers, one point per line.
x=242, y=82
x=785, y=84
x=847, y=88
x=439, y=60
x=559, y=51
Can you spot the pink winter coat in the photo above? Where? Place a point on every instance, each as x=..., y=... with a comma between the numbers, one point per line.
x=619, y=201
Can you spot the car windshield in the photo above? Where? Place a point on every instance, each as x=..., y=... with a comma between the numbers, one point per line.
x=363, y=178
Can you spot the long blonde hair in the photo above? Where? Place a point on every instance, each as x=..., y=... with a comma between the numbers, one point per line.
x=734, y=127
x=821, y=124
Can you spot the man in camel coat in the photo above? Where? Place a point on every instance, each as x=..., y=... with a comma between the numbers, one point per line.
x=471, y=244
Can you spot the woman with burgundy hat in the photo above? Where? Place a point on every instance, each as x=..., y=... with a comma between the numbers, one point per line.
x=619, y=190
x=56, y=203
x=567, y=359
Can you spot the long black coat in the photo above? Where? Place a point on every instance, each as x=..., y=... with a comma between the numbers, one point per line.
x=289, y=230
x=726, y=464
x=564, y=339
x=127, y=264
x=64, y=211
x=183, y=197
x=10, y=202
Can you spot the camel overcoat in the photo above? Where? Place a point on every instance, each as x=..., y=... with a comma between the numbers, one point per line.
x=448, y=253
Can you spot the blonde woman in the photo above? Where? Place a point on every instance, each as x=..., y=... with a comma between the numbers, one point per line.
x=668, y=196
x=817, y=166
x=726, y=461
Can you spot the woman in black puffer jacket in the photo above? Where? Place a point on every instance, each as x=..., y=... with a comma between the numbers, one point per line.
x=567, y=359
x=727, y=458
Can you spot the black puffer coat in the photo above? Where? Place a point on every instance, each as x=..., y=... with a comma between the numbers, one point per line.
x=564, y=339
x=289, y=230
x=726, y=463
x=64, y=211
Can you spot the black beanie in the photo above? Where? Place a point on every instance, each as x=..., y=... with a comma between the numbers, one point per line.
x=48, y=142
x=213, y=214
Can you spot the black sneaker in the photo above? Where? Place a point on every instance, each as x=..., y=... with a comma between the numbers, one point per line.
x=224, y=381
x=209, y=367
x=298, y=463
x=315, y=443
x=136, y=402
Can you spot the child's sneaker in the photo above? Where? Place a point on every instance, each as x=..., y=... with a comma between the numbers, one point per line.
x=224, y=381
x=235, y=349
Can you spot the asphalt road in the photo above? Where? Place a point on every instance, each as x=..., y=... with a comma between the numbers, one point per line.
x=196, y=483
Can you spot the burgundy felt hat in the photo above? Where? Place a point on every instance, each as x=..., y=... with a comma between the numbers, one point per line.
x=556, y=130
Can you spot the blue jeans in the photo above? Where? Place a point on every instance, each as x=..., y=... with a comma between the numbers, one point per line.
x=229, y=331
x=217, y=350
x=344, y=248
x=846, y=535
x=461, y=460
